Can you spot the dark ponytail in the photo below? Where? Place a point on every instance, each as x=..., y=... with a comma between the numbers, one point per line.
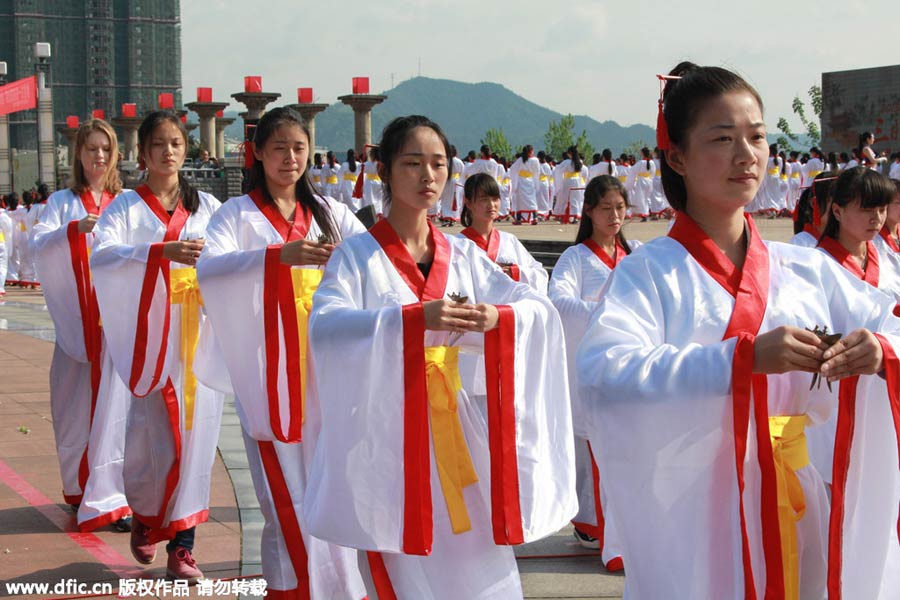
x=607, y=156
x=683, y=99
x=577, y=163
x=351, y=160
x=645, y=154
x=818, y=191
x=304, y=192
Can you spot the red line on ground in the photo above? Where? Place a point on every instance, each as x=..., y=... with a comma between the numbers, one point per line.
x=100, y=550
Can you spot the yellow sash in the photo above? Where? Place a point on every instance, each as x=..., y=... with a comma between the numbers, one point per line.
x=451, y=454
x=795, y=175
x=186, y=292
x=623, y=178
x=2, y=237
x=21, y=225
x=783, y=177
x=316, y=179
x=646, y=175
x=543, y=177
x=525, y=174
x=773, y=171
x=505, y=180
x=658, y=174
x=790, y=453
x=573, y=175
x=331, y=180
x=456, y=176
x=305, y=281
x=813, y=174
x=350, y=176
x=375, y=177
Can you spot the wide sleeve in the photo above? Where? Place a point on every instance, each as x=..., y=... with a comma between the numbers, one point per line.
x=531, y=271
x=127, y=276
x=57, y=247
x=359, y=396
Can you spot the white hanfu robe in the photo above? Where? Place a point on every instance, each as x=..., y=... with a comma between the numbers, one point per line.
x=545, y=190
x=808, y=238
x=568, y=184
x=20, y=257
x=372, y=187
x=505, y=249
x=452, y=196
x=506, y=468
x=88, y=399
x=348, y=185
x=658, y=201
x=151, y=311
x=575, y=289
x=331, y=180
x=641, y=187
x=671, y=402
x=524, y=175
x=315, y=176
x=242, y=279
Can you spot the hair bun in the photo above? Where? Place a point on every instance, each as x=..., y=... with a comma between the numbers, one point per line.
x=683, y=68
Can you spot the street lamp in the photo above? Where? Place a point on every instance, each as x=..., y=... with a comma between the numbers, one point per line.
x=46, y=144
x=5, y=158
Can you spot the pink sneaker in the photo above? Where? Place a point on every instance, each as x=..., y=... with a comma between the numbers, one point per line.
x=182, y=565
x=141, y=549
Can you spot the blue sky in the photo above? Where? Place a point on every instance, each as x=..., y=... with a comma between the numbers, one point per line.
x=596, y=58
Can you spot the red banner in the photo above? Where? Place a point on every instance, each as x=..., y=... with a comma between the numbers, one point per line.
x=18, y=95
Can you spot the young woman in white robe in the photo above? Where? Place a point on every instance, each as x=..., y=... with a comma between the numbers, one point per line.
x=147, y=243
x=569, y=179
x=315, y=174
x=695, y=375
x=452, y=197
x=371, y=187
x=545, y=187
x=20, y=258
x=888, y=241
x=350, y=172
x=260, y=266
x=641, y=185
x=88, y=400
x=575, y=290
x=813, y=166
x=331, y=176
x=482, y=204
x=503, y=180
x=857, y=210
x=12, y=249
x=503, y=472
x=524, y=175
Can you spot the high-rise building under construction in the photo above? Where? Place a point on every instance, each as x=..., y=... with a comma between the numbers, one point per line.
x=104, y=53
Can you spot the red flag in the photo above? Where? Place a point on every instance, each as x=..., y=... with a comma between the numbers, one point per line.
x=18, y=95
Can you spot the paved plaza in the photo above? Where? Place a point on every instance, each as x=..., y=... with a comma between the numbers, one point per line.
x=40, y=543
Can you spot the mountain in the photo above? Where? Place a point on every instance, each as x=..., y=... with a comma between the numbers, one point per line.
x=466, y=111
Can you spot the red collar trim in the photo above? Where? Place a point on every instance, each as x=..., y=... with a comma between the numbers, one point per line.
x=601, y=253
x=491, y=245
x=886, y=235
x=432, y=288
x=842, y=256
x=87, y=200
x=173, y=223
x=287, y=232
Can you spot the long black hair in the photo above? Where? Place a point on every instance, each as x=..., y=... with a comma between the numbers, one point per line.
x=683, y=100
x=607, y=157
x=395, y=135
x=479, y=182
x=871, y=188
x=575, y=156
x=596, y=189
x=351, y=160
x=304, y=192
x=190, y=198
x=863, y=159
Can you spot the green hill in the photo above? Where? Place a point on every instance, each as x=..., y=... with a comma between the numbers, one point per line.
x=466, y=111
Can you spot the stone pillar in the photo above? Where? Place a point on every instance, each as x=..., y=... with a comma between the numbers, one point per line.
x=256, y=104
x=207, y=113
x=69, y=134
x=221, y=124
x=129, y=127
x=309, y=112
x=46, y=143
x=362, y=105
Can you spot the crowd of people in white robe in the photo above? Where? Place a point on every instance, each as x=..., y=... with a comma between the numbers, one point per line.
x=414, y=404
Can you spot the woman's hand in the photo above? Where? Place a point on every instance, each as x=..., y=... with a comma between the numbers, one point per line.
x=185, y=252
x=858, y=353
x=786, y=349
x=449, y=315
x=304, y=252
x=86, y=225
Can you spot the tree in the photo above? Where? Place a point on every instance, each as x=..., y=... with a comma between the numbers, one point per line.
x=634, y=148
x=496, y=139
x=560, y=137
x=813, y=133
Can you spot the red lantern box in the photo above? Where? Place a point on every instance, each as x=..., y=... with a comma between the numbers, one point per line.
x=98, y=113
x=305, y=95
x=220, y=114
x=204, y=94
x=253, y=84
x=166, y=101
x=72, y=122
x=129, y=110
x=360, y=85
